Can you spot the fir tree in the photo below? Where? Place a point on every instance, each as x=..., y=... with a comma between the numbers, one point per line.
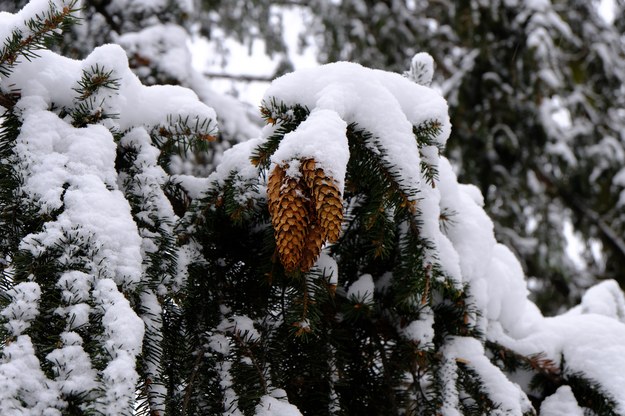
x=333, y=265
x=90, y=261
x=535, y=94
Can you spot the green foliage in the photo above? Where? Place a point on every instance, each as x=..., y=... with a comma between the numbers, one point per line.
x=326, y=349
x=180, y=135
x=40, y=32
x=287, y=119
x=535, y=96
x=225, y=324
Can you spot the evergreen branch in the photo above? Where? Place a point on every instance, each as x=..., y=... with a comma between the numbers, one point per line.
x=588, y=393
x=182, y=134
x=87, y=112
x=42, y=31
x=287, y=120
x=94, y=79
x=8, y=101
x=247, y=351
x=536, y=363
x=476, y=401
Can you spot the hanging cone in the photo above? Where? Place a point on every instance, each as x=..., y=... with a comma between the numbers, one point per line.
x=327, y=200
x=305, y=213
x=289, y=217
x=312, y=247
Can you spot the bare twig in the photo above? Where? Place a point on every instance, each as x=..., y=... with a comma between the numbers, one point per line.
x=240, y=77
x=189, y=389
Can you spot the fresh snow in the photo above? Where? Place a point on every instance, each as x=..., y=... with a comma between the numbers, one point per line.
x=561, y=403
x=24, y=307
x=20, y=372
x=70, y=175
x=73, y=170
x=270, y=406
x=320, y=137
x=362, y=289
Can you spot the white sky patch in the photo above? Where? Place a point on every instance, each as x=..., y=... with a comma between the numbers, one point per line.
x=574, y=245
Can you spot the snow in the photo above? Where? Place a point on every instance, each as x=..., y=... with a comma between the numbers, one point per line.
x=421, y=69
x=561, y=403
x=502, y=391
x=322, y=137
x=590, y=344
x=384, y=104
x=362, y=289
x=52, y=78
x=193, y=186
x=72, y=366
x=328, y=268
x=270, y=406
x=163, y=44
x=11, y=22
x=240, y=325
x=123, y=342
x=165, y=49
x=421, y=330
x=605, y=298
x=588, y=339
x=24, y=389
x=24, y=307
x=237, y=159
x=72, y=170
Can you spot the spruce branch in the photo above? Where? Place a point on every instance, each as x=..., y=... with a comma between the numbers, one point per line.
x=8, y=100
x=42, y=30
x=589, y=394
x=258, y=366
x=286, y=119
x=182, y=134
x=93, y=79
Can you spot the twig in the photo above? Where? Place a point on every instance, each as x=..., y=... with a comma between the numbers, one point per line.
x=240, y=77
x=187, y=394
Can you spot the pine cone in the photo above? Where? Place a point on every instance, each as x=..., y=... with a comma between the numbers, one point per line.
x=327, y=197
x=289, y=217
x=305, y=212
x=312, y=247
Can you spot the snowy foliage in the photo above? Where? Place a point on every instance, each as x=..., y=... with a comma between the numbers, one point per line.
x=126, y=289
x=93, y=223
x=535, y=90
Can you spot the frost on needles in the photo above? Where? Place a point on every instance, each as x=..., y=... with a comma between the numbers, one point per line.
x=333, y=265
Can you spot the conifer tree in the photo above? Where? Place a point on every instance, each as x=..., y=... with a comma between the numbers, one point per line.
x=89, y=252
x=333, y=265
x=535, y=94
x=155, y=36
